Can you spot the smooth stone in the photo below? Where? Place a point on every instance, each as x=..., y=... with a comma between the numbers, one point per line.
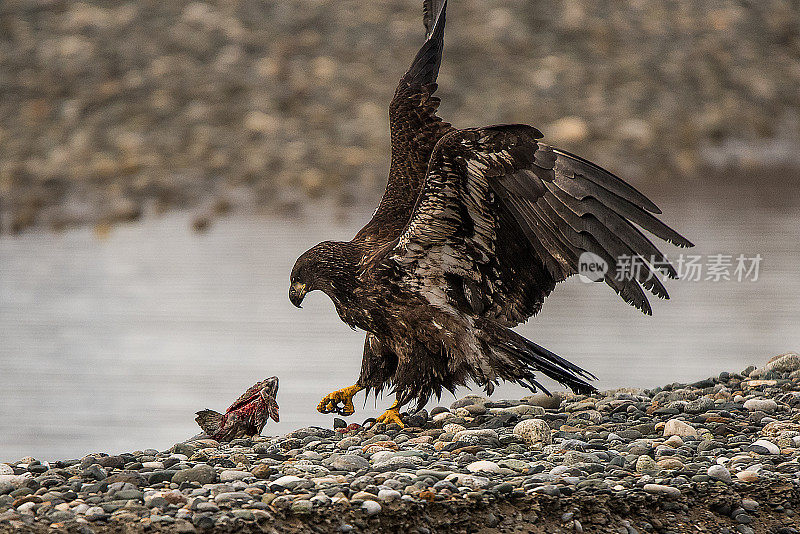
x=128, y=494
x=670, y=463
x=155, y=501
x=202, y=474
x=719, y=472
x=152, y=465
x=763, y=446
x=750, y=505
x=229, y=475
x=348, y=442
x=469, y=400
x=389, y=495
x=287, y=481
x=548, y=402
x=514, y=464
x=674, y=442
x=747, y=476
x=94, y=513
x=262, y=471
x=660, y=489
x=761, y=405
x=676, y=427
x=483, y=465
x=6, y=469
x=233, y=496
x=382, y=456
x=350, y=462
x=371, y=507
x=363, y=496
x=396, y=462
x=533, y=431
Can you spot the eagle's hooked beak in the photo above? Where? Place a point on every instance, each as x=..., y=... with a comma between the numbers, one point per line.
x=297, y=293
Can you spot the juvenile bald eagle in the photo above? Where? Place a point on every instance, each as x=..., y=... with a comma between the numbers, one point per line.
x=474, y=230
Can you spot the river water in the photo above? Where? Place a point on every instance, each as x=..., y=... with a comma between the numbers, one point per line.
x=112, y=344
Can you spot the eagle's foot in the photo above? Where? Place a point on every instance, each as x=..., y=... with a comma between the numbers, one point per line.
x=330, y=402
x=392, y=415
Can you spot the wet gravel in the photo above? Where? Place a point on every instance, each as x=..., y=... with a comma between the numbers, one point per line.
x=114, y=110
x=722, y=452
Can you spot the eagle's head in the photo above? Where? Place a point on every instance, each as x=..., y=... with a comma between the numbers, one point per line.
x=324, y=266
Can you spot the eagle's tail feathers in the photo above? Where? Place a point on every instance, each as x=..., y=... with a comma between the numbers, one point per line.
x=514, y=358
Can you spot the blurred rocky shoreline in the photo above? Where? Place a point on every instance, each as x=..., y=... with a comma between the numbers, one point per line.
x=114, y=110
x=717, y=455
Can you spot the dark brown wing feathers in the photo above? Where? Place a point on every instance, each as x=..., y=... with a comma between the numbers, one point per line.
x=538, y=203
x=415, y=128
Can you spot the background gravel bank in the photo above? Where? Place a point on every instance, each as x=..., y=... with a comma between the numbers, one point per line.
x=113, y=109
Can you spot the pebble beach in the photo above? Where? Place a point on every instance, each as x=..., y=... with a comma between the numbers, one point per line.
x=718, y=455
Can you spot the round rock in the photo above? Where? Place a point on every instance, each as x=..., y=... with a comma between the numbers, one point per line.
x=676, y=427
x=533, y=431
x=371, y=507
x=202, y=474
x=761, y=405
x=349, y=462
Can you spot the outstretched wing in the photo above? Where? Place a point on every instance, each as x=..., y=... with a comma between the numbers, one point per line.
x=503, y=217
x=415, y=129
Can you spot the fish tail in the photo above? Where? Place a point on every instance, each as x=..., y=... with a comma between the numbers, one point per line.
x=210, y=421
x=272, y=407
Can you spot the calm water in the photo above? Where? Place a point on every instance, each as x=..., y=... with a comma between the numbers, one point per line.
x=112, y=345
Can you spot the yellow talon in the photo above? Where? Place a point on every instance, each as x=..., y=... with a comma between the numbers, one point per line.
x=392, y=415
x=330, y=402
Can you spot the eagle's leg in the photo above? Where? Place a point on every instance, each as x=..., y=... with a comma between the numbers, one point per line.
x=330, y=402
x=392, y=415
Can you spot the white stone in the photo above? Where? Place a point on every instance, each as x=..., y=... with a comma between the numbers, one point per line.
x=371, y=507
x=761, y=405
x=453, y=428
x=26, y=508
x=533, y=431
x=152, y=465
x=389, y=495
x=483, y=465
x=676, y=427
x=771, y=447
x=382, y=456
x=5, y=469
x=444, y=416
